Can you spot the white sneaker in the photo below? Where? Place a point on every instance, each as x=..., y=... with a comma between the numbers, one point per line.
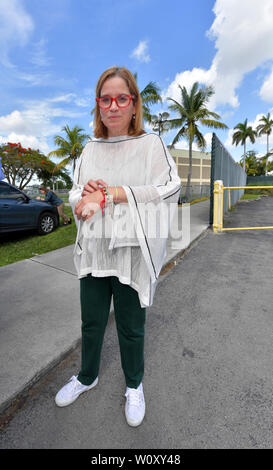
x=135, y=405
x=71, y=391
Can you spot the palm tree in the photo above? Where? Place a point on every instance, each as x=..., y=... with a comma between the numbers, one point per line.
x=70, y=147
x=243, y=133
x=149, y=95
x=265, y=128
x=192, y=110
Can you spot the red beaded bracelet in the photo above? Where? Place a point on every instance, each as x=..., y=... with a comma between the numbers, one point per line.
x=102, y=204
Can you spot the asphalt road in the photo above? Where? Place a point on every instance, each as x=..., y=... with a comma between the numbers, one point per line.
x=209, y=347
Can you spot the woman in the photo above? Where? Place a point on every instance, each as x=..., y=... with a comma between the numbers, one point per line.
x=123, y=178
x=55, y=201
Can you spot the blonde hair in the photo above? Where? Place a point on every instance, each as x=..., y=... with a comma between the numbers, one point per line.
x=136, y=125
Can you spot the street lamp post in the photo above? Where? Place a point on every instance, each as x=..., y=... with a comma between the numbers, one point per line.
x=161, y=123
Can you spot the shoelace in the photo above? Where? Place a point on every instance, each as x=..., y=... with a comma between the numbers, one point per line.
x=133, y=397
x=74, y=380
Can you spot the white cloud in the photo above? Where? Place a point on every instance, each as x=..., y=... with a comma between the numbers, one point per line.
x=27, y=141
x=184, y=144
x=187, y=79
x=141, y=52
x=62, y=98
x=16, y=26
x=12, y=121
x=37, y=121
x=228, y=142
x=39, y=56
x=243, y=35
x=208, y=138
x=266, y=91
x=83, y=102
x=31, y=122
x=33, y=79
x=33, y=125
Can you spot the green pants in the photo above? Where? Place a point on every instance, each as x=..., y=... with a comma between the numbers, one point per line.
x=96, y=294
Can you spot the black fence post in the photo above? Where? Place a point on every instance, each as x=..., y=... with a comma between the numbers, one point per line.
x=212, y=172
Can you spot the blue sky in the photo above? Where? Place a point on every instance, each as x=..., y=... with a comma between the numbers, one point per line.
x=53, y=52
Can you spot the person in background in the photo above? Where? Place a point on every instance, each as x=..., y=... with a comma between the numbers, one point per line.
x=51, y=197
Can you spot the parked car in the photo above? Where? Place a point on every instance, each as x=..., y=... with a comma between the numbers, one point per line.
x=20, y=212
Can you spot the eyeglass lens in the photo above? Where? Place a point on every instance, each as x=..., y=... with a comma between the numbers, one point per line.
x=121, y=100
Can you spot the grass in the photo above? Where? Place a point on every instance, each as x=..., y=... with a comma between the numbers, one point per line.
x=248, y=196
x=200, y=199
x=63, y=196
x=194, y=201
x=260, y=192
x=17, y=246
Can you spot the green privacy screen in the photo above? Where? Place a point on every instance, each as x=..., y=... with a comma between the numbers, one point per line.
x=224, y=168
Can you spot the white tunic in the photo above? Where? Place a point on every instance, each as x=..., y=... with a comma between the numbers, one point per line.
x=131, y=242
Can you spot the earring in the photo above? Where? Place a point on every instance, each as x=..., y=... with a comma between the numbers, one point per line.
x=134, y=116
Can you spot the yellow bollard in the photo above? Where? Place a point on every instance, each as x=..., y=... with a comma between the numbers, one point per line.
x=221, y=207
x=229, y=200
x=217, y=206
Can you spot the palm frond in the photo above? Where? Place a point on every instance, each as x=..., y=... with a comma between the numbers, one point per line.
x=174, y=123
x=179, y=135
x=199, y=139
x=185, y=98
x=213, y=123
x=151, y=87
x=178, y=108
x=62, y=164
x=69, y=146
x=60, y=153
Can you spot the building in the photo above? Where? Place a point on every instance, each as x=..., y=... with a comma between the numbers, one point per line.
x=201, y=163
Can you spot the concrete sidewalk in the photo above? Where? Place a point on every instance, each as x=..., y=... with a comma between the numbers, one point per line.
x=40, y=311
x=208, y=359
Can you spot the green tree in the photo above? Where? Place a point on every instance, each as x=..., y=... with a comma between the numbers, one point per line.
x=241, y=135
x=253, y=166
x=265, y=127
x=191, y=111
x=269, y=167
x=49, y=173
x=20, y=164
x=149, y=95
x=70, y=146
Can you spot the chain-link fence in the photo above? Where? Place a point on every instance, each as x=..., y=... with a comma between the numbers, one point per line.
x=224, y=168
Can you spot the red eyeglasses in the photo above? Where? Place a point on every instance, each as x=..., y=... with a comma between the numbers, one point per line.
x=122, y=101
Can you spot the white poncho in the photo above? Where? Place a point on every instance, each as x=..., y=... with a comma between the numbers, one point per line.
x=131, y=242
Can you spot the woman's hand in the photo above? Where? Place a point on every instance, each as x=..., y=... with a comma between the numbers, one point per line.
x=92, y=186
x=88, y=205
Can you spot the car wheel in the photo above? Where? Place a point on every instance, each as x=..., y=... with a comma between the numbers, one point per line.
x=46, y=224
